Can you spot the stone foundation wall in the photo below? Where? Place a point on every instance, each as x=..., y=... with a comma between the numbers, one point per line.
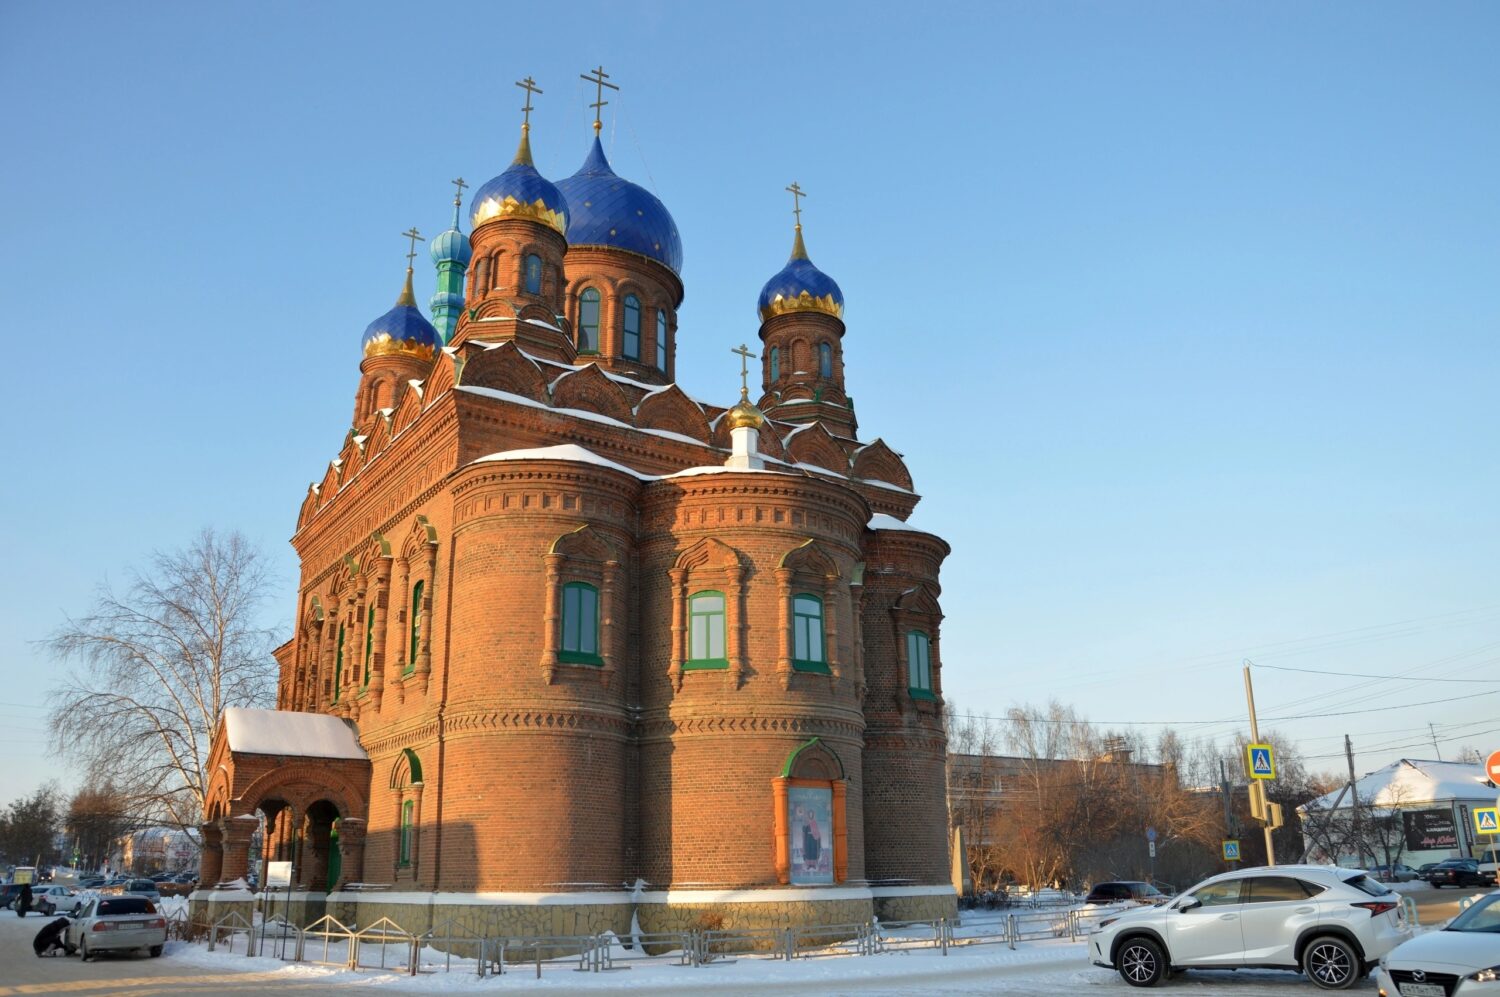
x=920, y=908
x=722, y=916
x=208, y=906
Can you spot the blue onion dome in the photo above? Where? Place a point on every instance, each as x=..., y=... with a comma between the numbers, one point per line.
x=605, y=210
x=520, y=192
x=402, y=331
x=451, y=246
x=800, y=287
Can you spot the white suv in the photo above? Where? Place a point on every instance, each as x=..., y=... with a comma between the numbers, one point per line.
x=1333, y=924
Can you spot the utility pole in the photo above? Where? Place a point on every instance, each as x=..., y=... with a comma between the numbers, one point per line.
x=1229, y=831
x=1359, y=850
x=1257, y=784
x=1433, y=731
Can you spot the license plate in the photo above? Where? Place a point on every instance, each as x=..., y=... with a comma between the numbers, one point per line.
x=1422, y=990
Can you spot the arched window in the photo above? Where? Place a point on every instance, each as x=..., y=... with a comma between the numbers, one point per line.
x=369, y=644
x=580, y=624
x=408, y=822
x=807, y=634
x=632, y=327
x=338, y=666
x=416, y=626
x=533, y=274
x=588, y=321
x=706, y=631
x=918, y=665
x=661, y=339
x=775, y=363
x=825, y=360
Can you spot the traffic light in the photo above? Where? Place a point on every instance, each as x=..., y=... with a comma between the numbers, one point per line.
x=1275, y=819
x=1257, y=801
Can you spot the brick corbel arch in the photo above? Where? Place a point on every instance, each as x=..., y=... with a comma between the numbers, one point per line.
x=917, y=609
x=582, y=555
x=808, y=567
x=417, y=563
x=709, y=563
x=377, y=564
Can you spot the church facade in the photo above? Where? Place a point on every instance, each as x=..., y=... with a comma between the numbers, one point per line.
x=606, y=649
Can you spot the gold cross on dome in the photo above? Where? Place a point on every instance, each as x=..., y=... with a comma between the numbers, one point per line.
x=598, y=78
x=458, y=192
x=745, y=357
x=797, y=195
x=529, y=85
x=413, y=235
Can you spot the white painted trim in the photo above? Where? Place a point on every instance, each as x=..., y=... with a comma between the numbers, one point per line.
x=794, y=894
x=212, y=896
x=481, y=899
x=801, y=894
x=945, y=890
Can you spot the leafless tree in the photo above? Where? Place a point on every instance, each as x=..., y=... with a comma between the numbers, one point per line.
x=153, y=669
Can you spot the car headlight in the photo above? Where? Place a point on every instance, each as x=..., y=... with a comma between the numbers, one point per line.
x=1107, y=922
x=1487, y=975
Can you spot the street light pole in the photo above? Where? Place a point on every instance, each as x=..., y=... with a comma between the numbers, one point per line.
x=1257, y=785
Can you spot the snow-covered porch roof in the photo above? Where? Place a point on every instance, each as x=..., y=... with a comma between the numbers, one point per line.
x=284, y=732
x=1413, y=781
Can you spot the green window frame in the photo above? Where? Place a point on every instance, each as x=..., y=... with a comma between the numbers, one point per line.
x=580, y=624
x=706, y=630
x=408, y=822
x=809, y=643
x=533, y=274
x=919, y=665
x=661, y=339
x=369, y=644
x=632, y=326
x=588, y=321
x=338, y=666
x=775, y=363
x=416, y=625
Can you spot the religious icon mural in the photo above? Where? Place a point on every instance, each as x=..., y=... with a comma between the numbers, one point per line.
x=810, y=811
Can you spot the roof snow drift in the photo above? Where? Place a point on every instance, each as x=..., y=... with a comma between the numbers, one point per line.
x=1410, y=781
x=282, y=732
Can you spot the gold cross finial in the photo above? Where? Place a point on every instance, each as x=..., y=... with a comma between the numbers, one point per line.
x=597, y=78
x=797, y=195
x=458, y=192
x=745, y=357
x=529, y=85
x=413, y=235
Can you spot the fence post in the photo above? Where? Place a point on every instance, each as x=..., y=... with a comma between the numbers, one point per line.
x=1010, y=930
x=943, y=930
x=301, y=944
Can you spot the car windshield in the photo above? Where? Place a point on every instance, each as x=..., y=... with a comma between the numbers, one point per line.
x=1484, y=916
x=125, y=905
x=1365, y=884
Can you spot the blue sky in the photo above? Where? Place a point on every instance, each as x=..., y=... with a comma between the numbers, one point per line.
x=1184, y=315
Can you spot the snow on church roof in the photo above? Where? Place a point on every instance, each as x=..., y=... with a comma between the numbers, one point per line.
x=282, y=732
x=1417, y=781
x=563, y=451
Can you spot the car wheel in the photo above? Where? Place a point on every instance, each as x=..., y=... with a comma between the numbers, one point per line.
x=1331, y=963
x=1141, y=962
x=84, y=953
x=156, y=951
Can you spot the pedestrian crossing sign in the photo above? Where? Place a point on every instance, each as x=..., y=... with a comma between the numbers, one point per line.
x=1231, y=851
x=1487, y=820
x=1262, y=759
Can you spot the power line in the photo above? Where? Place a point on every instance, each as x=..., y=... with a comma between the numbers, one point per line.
x=1362, y=675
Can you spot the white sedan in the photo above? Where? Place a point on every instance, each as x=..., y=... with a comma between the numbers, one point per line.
x=50, y=899
x=115, y=924
x=1461, y=960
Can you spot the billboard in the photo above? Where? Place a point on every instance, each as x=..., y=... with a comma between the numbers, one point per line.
x=810, y=812
x=1429, y=829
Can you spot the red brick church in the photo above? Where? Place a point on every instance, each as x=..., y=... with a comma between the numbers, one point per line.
x=573, y=644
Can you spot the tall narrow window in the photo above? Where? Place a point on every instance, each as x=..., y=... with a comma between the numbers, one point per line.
x=706, y=631
x=369, y=644
x=632, y=327
x=661, y=339
x=416, y=625
x=338, y=666
x=588, y=321
x=825, y=360
x=408, y=820
x=533, y=274
x=918, y=665
x=775, y=364
x=580, y=624
x=807, y=634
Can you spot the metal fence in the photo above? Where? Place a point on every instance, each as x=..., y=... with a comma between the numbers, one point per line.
x=386, y=945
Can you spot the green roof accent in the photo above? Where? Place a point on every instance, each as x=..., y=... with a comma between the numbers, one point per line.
x=791, y=760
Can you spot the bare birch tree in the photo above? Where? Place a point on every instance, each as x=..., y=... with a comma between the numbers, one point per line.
x=153, y=669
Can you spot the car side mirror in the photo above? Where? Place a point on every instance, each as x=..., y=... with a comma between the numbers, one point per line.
x=1188, y=905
